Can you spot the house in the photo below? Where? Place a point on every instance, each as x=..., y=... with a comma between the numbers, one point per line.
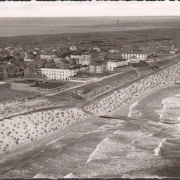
x=114, y=56
x=47, y=57
x=112, y=64
x=57, y=59
x=96, y=48
x=73, y=48
x=82, y=59
x=113, y=51
x=101, y=55
x=133, y=60
x=173, y=50
x=96, y=68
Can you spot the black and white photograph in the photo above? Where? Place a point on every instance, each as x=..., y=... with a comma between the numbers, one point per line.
x=89, y=89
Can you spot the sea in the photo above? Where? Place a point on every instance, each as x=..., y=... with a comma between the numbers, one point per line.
x=145, y=146
x=59, y=25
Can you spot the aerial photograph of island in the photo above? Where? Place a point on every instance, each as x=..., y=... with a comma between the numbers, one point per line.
x=89, y=91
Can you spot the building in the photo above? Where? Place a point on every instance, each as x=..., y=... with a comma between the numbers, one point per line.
x=22, y=85
x=96, y=69
x=101, y=55
x=112, y=64
x=47, y=57
x=57, y=59
x=133, y=60
x=57, y=74
x=73, y=48
x=113, y=51
x=36, y=86
x=82, y=79
x=82, y=59
x=96, y=48
x=140, y=56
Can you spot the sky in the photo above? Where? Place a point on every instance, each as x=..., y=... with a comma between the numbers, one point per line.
x=83, y=9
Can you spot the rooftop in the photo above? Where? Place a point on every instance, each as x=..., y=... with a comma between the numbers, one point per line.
x=141, y=52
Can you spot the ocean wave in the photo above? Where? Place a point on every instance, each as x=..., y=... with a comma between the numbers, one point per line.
x=95, y=152
x=171, y=148
x=70, y=175
x=171, y=110
x=43, y=176
x=131, y=108
x=140, y=176
x=153, y=127
x=108, y=148
x=157, y=151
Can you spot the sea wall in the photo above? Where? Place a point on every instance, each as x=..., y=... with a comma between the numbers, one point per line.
x=125, y=94
x=25, y=128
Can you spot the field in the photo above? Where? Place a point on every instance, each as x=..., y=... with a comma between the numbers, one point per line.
x=8, y=94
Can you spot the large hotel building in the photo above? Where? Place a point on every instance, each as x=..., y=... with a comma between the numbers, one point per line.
x=57, y=74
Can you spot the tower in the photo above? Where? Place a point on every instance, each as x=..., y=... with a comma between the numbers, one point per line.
x=117, y=21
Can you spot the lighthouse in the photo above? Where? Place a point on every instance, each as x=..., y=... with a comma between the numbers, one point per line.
x=117, y=21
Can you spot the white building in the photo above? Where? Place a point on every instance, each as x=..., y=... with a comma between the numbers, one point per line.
x=140, y=56
x=96, y=48
x=112, y=64
x=133, y=60
x=57, y=74
x=73, y=48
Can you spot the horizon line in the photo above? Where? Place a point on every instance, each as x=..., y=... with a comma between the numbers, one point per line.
x=89, y=16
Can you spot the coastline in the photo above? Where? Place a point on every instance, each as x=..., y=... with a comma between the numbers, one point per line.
x=125, y=109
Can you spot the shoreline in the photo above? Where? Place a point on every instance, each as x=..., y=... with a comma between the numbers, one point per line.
x=125, y=109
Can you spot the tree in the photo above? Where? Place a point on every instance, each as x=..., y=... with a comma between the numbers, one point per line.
x=5, y=73
x=50, y=64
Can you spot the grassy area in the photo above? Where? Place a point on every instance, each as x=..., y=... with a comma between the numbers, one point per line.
x=49, y=85
x=8, y=94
